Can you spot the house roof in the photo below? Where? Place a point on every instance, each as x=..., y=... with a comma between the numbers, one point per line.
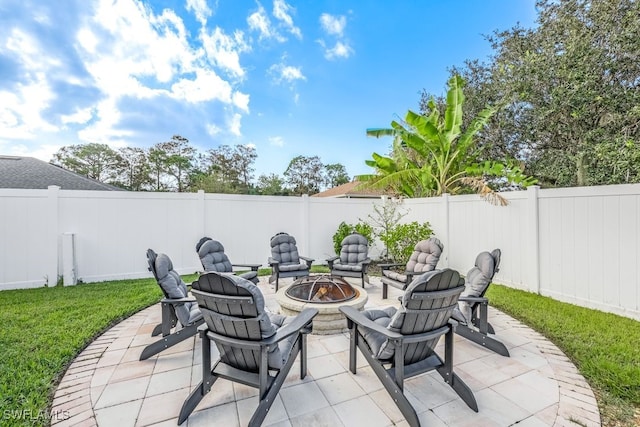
x=350, y=189
x=31, y=173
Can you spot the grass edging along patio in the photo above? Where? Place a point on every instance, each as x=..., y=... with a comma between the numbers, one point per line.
x=603, y=346
x=44, y=329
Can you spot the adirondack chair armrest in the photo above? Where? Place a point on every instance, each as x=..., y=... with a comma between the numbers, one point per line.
x=359, y=319
x=177, y=300
x=253, y=267
x=410, y=275
x=275, y=264
x=481, y=300
x=309, y=261
x=389, y=266
x=331, y=260
x=365, y=265
x=299, y=322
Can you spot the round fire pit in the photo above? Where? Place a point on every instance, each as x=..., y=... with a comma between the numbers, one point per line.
x=321, y=289
x=325, y=293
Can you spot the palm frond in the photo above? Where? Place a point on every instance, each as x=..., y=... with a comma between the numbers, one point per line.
x=480, y=186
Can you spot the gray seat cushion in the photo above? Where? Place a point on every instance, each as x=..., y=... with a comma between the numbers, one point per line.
x=285, y=251
x=425, y=256
x=175, y=288
x=477, y=281
x=348, y=267
x=394, y=275
x=355, y=249
x=213, y=258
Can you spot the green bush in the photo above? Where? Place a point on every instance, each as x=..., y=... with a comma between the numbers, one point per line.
x=345, y=229
x=401, y=239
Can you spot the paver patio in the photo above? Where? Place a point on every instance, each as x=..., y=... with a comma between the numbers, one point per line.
x=107, y=385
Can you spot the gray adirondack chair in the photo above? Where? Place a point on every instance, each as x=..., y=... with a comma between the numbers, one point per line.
x=213, y=258
x=399, y=343
x=285, y=261
x=177, y=306
x=353, y=259
x=425, y=257
x=256, y=348
x=472, y=310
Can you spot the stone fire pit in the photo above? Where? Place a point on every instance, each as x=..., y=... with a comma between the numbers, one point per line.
x=325, y=293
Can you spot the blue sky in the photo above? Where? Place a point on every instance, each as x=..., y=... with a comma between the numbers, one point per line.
x=289, y=77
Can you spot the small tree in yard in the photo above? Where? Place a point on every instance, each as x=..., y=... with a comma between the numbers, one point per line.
x=398, y=239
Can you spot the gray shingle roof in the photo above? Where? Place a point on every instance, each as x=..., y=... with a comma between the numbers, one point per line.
x=31, y=173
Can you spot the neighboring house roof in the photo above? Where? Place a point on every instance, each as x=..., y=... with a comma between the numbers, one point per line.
x=31, y=173
x=350, y=190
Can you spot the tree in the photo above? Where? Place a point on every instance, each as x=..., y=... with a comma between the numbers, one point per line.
x=133, y=169
x=571, y=87
x=271, y=185
x=228, y=169
x=95, y=161
x=243, y=159
x=179, y=157
x=336, y=175
x=157, y=162
x=432, y=155
x=305, y=175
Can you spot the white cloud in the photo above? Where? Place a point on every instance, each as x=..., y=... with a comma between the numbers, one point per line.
x=212, y=129
x=286, y=73
x=241, y=100
x=81, y=116
x=259, y=21
x=105, y=130
x=201, y=10
x=224, y=51
x=251, y=145
x=281, y=12
x=333, y=25
x=234, y=124
x=107, y=74
x=276, y=141
x=22, y=107
x=340, y=50
x=206, y=86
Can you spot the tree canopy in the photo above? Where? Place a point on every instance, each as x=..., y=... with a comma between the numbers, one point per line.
x=432, y=154
x=570, y=90
x=176, y=165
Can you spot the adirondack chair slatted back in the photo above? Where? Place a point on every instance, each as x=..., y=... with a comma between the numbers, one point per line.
x=232, y=311
x=427, y=305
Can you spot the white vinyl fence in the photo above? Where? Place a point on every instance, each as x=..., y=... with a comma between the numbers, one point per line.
x=579, y=245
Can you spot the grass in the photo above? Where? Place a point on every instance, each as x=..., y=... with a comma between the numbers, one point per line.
x=44, y=329
x=604, y=347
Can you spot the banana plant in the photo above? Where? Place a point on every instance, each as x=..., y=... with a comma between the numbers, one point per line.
x=432, y=155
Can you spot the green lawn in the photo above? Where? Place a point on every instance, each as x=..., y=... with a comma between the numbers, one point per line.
x=44, y=329
x=605, y=347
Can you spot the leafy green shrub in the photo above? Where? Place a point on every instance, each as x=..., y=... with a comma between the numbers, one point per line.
x=401, y=239
x=345, y=229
